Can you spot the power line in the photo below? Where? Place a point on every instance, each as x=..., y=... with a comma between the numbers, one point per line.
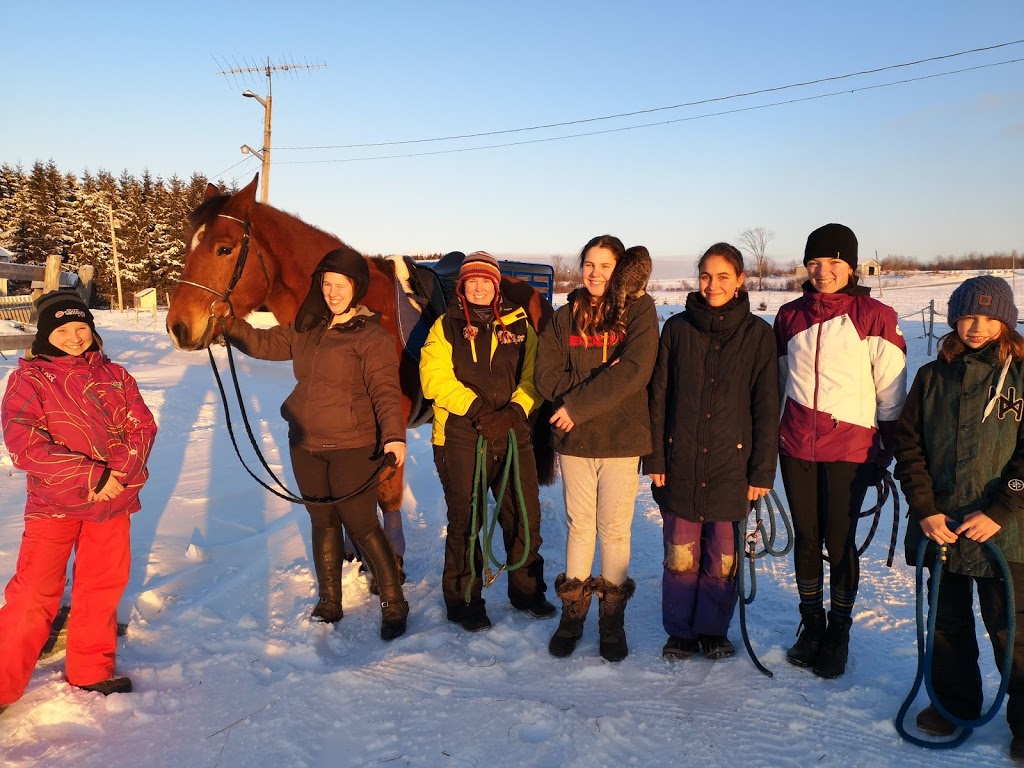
x=659, y=123
x=700, y=102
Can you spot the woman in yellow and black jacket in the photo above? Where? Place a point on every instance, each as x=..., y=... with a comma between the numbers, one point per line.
x=477, y=366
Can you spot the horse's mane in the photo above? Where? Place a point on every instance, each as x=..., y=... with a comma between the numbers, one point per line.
x=384, y=265
x=208, y=210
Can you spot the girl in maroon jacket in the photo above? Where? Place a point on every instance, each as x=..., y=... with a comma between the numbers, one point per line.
x=76, y=424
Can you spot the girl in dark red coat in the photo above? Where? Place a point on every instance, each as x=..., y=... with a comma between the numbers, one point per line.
x=76, y=424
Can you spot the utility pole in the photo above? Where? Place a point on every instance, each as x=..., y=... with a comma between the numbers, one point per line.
x=117, y=266
x=263, y=154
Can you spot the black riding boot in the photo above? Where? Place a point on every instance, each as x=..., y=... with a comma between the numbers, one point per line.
x=611, y=612
x=575, y=596
x=835, y=648
x=328, y=558
x=804, y=652
x=380, y=557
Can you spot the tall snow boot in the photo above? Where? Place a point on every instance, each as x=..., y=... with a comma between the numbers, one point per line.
x=611, y=612
x=328, y=559
x=835, y=648
x=380, y=557
x=575, y=595
x=804, y=652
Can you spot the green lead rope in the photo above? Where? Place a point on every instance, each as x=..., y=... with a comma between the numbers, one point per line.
x=480, y=499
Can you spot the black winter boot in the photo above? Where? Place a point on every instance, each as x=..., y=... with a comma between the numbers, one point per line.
x=575, y=596
x=611, y=612
x=109, y=686
x=805, y=651
x=380, y=557
x=328, y=559
x=835, y=648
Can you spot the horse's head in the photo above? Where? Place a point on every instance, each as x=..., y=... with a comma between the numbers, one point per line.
x=223, y=262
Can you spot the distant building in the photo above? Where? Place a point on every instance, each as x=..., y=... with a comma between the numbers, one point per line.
x=869, y=268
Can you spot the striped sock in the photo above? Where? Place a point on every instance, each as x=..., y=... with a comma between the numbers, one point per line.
x=842, y=603
x=811, y=591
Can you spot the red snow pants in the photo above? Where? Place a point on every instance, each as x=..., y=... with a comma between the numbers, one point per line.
x=100, y=574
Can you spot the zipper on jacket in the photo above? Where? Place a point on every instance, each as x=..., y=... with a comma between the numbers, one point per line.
x=817, y=383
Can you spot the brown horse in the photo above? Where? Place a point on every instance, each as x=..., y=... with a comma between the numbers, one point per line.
x=259, y=256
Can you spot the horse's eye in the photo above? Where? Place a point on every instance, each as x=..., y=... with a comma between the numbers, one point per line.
x=224, y=250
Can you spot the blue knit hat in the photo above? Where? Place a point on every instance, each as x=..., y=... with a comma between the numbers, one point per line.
x=983, y=295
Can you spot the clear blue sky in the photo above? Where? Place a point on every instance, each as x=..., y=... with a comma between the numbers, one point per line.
x=925, y=168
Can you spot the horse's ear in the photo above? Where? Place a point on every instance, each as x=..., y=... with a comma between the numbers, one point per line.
x=246, y=196
x=211, y=191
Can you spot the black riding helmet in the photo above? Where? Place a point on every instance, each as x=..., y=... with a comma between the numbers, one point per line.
x=343, y=261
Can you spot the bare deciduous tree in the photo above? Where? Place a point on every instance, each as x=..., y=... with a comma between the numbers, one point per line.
x=755, y=242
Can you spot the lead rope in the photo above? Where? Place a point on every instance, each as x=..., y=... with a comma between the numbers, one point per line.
x=925, y=649
x=372, y=481
x=479, y=497
x=772, y=505
x=885, y=488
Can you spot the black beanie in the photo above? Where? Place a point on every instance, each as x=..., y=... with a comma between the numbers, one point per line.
x=832, y=241
x=344, y=261
x=55, y=309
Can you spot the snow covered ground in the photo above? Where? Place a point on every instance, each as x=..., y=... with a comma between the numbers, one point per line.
x=229, y=672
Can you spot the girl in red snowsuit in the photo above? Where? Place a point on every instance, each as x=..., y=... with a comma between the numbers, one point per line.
x=76, y=424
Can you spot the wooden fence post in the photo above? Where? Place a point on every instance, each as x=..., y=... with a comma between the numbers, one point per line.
x=51, y=277
x=931, y=325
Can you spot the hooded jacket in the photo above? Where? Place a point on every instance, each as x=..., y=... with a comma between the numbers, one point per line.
x=952, y=459
x=714, y=410
x=347, y=393
x=601, y=380
x=68, y=422
x=465, y=375
x=842, y=376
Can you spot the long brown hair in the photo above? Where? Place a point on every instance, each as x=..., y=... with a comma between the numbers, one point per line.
x=589, y=312
x=1011, y=344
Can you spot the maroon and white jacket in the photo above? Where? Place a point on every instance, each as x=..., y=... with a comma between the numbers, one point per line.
x=69, y=420
x=842, y=376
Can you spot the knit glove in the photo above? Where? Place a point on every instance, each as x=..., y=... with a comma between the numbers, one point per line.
x=496, y=424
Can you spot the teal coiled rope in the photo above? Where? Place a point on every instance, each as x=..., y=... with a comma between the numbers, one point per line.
x=925, y=649
x=480, y=488
x=771, y=505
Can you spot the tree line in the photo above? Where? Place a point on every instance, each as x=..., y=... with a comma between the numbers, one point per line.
x=44, y=211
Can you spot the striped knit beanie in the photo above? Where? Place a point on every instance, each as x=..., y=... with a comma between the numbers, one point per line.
x=480, y=264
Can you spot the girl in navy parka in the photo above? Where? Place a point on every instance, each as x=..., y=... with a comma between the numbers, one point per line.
x=715, y=427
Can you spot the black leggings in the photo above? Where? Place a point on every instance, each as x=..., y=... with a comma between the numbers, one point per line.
x=955, y=671
x=331, y=474
x=825, y=499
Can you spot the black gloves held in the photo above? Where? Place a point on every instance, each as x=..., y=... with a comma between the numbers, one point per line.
x=494, y=425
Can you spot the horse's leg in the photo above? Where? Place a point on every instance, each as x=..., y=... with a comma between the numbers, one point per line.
x=389, y=498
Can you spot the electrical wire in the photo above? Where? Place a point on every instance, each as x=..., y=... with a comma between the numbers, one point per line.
x=650, y=125
x=700, y=102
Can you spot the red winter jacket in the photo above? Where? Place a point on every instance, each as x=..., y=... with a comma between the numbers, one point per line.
x=66, y=420
x=842, y=376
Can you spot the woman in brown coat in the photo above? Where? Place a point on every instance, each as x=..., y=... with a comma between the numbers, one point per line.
x=343, y=415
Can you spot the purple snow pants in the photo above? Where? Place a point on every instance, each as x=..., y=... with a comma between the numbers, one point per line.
x=698, y=587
